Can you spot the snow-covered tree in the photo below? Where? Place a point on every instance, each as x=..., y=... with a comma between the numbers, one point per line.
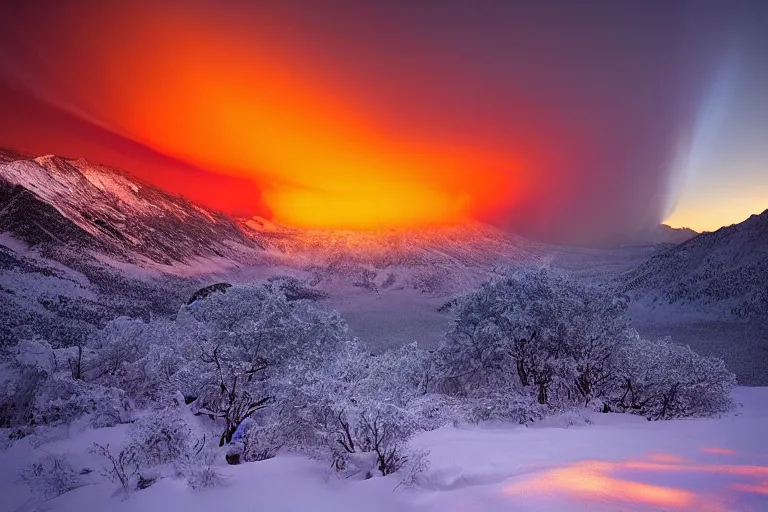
x=534, y=340
x=39, y=390
x=532, y=332
x=141, y=358
x=254, y=347
x=662, y=380
x=360, y=411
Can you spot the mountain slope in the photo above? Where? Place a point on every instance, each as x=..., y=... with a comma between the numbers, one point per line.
x=72, y=203
x=435, y=260
x=725, y=271
x=73, y=211
x=11, y=155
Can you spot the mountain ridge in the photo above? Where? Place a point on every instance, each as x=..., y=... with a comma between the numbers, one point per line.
x=109, y=211
x=727, y=267
x=86, y=210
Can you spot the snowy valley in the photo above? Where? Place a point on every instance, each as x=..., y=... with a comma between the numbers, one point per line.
x=457, y=368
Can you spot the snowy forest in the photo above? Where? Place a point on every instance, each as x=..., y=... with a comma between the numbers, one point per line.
x=243, y=372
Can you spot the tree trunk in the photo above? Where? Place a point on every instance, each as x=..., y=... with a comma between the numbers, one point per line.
x=542, y=393
x=522, y=373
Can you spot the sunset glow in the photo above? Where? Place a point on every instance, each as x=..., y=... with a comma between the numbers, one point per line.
x=622, y=482
x=371, y=115
x=248, y=110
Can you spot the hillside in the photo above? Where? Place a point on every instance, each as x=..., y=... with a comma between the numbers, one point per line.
x=53, y=201
x=724, y=273
x=74, y=211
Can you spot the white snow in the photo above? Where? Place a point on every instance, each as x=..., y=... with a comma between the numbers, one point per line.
x=617, y=463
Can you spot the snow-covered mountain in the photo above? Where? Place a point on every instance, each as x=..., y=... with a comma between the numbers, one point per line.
x=51, y=201
x=82, y=243
x=435, y=260
x=72, y=209
x=11, y=155
x=725, y=271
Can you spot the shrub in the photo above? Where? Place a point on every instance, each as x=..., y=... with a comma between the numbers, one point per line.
x=52, y=475
x=262, y=442
x=663, y=380
x=366, y=440
x=160, y=438
x=198, y=468
x=121, y=467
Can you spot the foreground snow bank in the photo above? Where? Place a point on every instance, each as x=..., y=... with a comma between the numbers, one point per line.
x=617, y=463
x=594, y=462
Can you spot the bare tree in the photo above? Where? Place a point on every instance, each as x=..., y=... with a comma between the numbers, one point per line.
x=235, y=401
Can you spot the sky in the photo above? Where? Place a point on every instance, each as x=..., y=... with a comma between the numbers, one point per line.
x=569, y=122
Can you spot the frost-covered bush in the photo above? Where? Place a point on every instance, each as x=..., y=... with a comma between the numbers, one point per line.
x=500, y=405
x=263, y=441
x=29, y=365
x=157, y=443
x=360, y=417
x=662, y=380
x=121, y=342
x=368, y=439
x=355, y=413
x=120, y=467
x=52, y=475
x=397, y=376
x=160, y=438
x=198, y=468
x=61, y=400
x=138, y=357
x=204, y=477
x=17, y=395
x=37, y=390
x=533, y=342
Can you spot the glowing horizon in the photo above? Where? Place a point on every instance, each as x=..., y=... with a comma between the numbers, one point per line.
x=385, y=115
x=238, y=110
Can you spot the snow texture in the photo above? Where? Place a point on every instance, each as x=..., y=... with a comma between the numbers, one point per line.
x=614, y=462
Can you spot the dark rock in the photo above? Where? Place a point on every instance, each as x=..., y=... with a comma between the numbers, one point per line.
x=207, y=291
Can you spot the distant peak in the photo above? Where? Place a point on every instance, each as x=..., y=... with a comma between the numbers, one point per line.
x=684, y=228
x=50, y=160
x=8, y=155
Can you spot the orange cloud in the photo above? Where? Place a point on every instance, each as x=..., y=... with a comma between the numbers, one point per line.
x=235, y=104
x=374, y=114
